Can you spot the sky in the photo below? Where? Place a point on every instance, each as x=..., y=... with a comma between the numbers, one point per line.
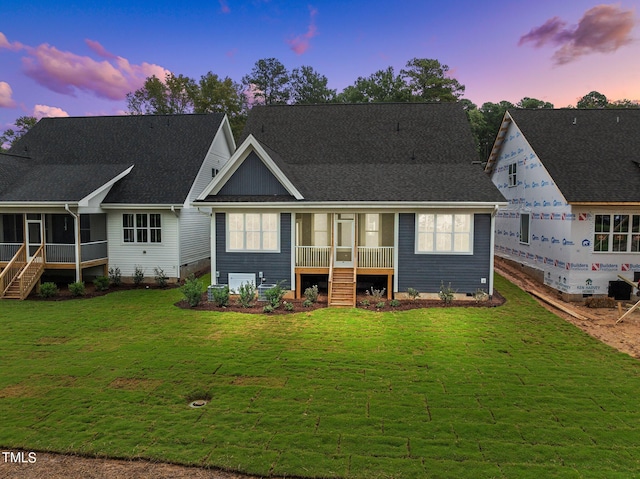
x=81, y=57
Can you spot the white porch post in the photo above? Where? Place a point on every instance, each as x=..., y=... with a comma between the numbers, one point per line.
x=76, y=225
x=492, y=249
x=214, y=276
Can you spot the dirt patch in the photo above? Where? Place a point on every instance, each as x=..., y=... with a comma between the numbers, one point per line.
x=599, y=322
x=134, y=384
x=91, y=292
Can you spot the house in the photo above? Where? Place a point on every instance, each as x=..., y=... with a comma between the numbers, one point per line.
x=354, y=195
x=572, y=182
x=81, y=195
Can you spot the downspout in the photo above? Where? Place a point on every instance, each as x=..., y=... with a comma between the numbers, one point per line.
x=492, y=249
x=178, y=272
x=76, y=223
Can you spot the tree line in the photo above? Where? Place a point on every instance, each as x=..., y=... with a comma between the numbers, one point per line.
x=270, y=83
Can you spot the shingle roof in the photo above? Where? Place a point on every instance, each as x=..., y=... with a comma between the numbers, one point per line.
x=68, y=155
x=374, y=152
x=592, y=155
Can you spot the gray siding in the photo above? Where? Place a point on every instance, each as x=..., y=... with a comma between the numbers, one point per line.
x=275, y=266
x=253, y=178
x=424, y=272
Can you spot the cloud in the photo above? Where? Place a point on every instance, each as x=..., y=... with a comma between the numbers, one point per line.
x=66, y=72
x=300, y=44
x=5, y=96
x=602, y=29
x=45, y=111
x=224, y=6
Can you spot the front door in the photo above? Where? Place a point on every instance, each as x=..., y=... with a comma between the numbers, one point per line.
x=344, y=240
x=34, y=234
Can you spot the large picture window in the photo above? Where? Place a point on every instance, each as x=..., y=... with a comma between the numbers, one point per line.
x=616, y=233
x=444, y=233
x=252, y=232
x=142, y=227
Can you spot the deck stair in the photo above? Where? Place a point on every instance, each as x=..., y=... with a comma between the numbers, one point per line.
x=20, y=276
x=342, y=287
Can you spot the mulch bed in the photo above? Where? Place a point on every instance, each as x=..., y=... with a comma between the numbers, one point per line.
x=91, y=292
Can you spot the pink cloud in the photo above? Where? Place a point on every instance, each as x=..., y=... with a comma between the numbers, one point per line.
x=231, y=53
x=65, y=72
x=602, y=29
x=300, y=44
x=45, y=111
x=5, y=96
x=224, y=6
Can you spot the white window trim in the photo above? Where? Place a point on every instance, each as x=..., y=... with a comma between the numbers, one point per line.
x=528, y=241
x=135, y=229
x=612, y=233
x=244, y=213
x=463, y=253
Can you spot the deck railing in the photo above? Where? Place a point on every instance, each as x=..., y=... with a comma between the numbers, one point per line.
x=12, y=270
x=375, y=257
x=94, y=250
x=60, y=253
x=8, y=251
x=313, y=256
x=31, y=272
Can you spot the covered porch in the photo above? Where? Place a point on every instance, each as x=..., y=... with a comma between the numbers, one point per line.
x=344, y=247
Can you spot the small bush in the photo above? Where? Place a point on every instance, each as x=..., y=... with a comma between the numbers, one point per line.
x=268, y=309
x=376, y=293
x=160, y=278
x=221, y=296
x=192, y=291
x=247, y=292
x=307, y=303
x=101, y=283
x=480, y=295
x=394, y=303
x=77, y=288
x=138, y=275
x=365, y=303
x=115, y=276
x=413, y=294
x=274, y=295
x=380, y=304
x=48, y=290
x=311, y=293
x=446, y=293
x=288, y=306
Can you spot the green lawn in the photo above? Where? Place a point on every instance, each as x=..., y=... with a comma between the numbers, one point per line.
x=508, y=392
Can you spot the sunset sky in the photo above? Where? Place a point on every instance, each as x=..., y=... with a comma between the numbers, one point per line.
x=81, y=57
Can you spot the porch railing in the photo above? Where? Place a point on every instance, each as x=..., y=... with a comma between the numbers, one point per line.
x=13, y=269
x=60, y=253
x=313, y=256
x=375, y=257
x=8, y=251
x=94, y=250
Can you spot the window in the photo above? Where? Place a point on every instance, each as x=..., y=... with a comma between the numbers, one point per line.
x=252, y=232
x=444, y=233
x=320, y=229
x=142, y=228
x=513, y=180
x=372, y=230
x=616, y=233
x=524, y=228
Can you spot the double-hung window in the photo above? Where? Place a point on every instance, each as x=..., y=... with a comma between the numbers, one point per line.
x=513, y=179
x=142, y=227
x=253, y=232
x=616, y=233
x=444, y=233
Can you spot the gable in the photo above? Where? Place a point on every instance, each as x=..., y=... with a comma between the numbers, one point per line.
x=252, y=178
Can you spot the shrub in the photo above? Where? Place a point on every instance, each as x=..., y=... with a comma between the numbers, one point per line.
x=394, y=303
x=220, y=296
x=311, y=293
x=115, y=276
x=101, y=283
x=247, y=292
x=274, y=295
x=77, y=288
x=307, y=303
x=160, y=277
x=48, y=290
x=380, y=304
x=192, y=291
x=268, y=308
x=413, y=294
x=288, y=306
x=480, y=295
x=138, y=275
x=376, y=293
x=446, y=293
x=365, y=303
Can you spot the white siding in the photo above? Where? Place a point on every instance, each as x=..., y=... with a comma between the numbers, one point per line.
x=146, y=255
x=195, y=236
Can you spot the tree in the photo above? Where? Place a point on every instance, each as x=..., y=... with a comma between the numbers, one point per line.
x=174, y=95
x=533, y=103
x=492, y=114
x=593, y=99
x=382, y=86
x=23, y=124
x=626, y=103
x=308, y=86
x=214, y=95
x=268, y=82
x=428, y=81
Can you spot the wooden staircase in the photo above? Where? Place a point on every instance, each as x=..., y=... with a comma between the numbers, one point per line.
x=342, y=287
x=20, y=277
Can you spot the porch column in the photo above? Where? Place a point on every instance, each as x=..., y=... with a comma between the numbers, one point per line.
x=76, y=225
